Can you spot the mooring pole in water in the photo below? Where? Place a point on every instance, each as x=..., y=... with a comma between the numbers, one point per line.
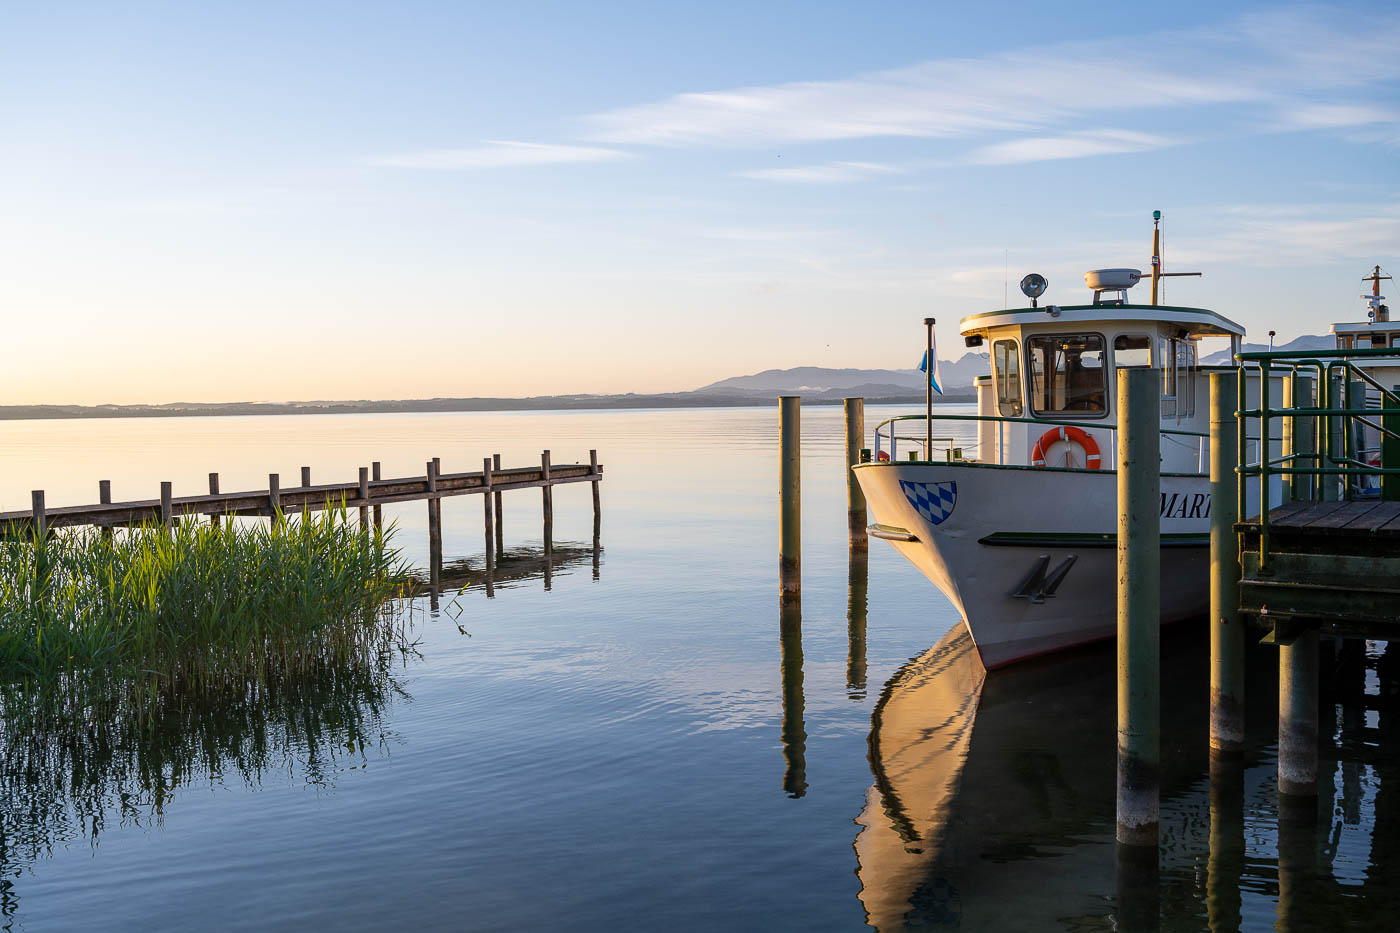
x=1225, y=861
x=597, y=497
x=1226, y=631
x=855, y=497
x=486, y=504
x=104, y=497
x=40, y=531
x=1297, y=716
x=434, y=533
x=928, y=392
x=364, y=498
x=500, y=524
x=167, y=516
x=378, y=509
x=1139, y=606
x=305, y=476
x=790, y=496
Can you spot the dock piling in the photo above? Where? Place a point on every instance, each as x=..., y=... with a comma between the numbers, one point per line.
x=500, y=523
x=364, y=498
x=374, y=471
x=167, y=517
x=434, y=532
x=1139, y=607
x=104, y=497
x=305, y=476
x=1226, y=630
x=40, y=531
x=597, y=498
x=274, y=495
x=855, y=497
x=488, y=511
x=1297, y=715
x=790, y=496
x=547, y=500
x=794, y=732
x=41, y=515
x=213, y=491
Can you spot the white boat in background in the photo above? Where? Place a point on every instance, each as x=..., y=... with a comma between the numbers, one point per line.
x=1020, y=531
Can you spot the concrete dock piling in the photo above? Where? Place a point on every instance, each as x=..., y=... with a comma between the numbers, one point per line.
x=855, y=496
x=790, y=496
x=1226, y=627
x=1297, y=716
x=1139, y=607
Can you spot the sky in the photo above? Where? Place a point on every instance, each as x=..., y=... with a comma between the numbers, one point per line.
x=339, y=200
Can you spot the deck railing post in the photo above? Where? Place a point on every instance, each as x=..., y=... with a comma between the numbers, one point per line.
x=1331, y=429
x=855, y=496
x=1286, y=443
x=1390, y=446
x=790, y=496
x=1304, y=437
x=1226, y=632
x=1139, y=606
x=488, y=512
x=374, y=472
x=1356, y=435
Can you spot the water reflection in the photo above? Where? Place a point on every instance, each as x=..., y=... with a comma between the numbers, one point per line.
x=992, y=804
x=794, y=734
x=856, y=604
x=521, y=564
x=82, y=758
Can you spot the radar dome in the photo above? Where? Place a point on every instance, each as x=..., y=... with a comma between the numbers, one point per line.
x=1102, y=280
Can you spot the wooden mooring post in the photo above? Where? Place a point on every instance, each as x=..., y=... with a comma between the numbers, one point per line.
x=790, y=496
x=213, y=491
x=104, y=497
x=1139, y=607
x=597, y=497
x=500, y=516
x=364, y=498
x=434, y=532
x=1226, y=626
x=378, y=509
x=488, y=511
x=167, y=514
x=855, y=497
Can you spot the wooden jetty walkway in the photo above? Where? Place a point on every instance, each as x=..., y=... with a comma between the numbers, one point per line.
x=369, y=493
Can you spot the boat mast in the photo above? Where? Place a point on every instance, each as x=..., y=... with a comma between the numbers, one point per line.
x=1156, y=253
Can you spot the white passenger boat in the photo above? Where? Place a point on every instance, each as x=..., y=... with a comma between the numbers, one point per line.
x=1019, y=531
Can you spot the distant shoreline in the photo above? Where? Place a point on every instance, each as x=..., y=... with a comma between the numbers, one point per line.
x=420, y=406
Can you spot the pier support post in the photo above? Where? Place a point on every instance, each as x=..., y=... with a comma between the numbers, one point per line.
x=104, y=497
x=855, y=496
x=167, y=515
x=364, y=498
x=305, y=476
x=1226, y=630
x=378, y=509
x=488, y=513
x=214, y=491
x=547, y=499
x=1139, y=606
x=1297, y=716
x=41, y=533
x=597, y=497
x=274, y=496
x=500, y=523
x=434, y=533
x=790, y=496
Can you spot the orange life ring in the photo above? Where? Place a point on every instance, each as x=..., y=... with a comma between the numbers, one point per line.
x=1067, y=433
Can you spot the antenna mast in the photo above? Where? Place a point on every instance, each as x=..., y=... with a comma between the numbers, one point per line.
x=1157, y=272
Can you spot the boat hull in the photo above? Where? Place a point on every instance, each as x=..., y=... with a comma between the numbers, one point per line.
x=1028, y=555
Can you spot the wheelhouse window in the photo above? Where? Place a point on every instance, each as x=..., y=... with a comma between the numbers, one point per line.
x=1006, y=362
x=1067, y=375
x=1178, y=378
x=1132, y=350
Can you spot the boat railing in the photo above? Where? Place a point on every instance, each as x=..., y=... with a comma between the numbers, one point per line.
x=1325, y=427
x=886, y=429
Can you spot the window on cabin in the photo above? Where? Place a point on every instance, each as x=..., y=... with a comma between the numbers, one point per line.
x=1067, y=375
x=1132, y=350
x=1006, y=360
x=1178, y=378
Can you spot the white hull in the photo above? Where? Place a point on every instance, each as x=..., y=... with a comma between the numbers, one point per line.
x=1008, y=522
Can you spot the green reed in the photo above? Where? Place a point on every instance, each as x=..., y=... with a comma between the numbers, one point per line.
x=197, y=604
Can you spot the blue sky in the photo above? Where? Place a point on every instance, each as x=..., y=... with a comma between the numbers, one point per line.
x=337, y=200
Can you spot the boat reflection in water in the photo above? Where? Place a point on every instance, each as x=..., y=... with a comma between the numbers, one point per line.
x=992, y=805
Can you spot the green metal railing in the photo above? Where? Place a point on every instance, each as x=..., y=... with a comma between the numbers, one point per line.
x=1322, y=429
x=1201, y=437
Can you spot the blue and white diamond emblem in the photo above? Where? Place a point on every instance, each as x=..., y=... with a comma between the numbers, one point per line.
x=933, y=501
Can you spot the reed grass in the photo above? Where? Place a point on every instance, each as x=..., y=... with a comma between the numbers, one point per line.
x=199, y=604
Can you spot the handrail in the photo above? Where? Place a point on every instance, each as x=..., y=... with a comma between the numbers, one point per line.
x=1340, y=418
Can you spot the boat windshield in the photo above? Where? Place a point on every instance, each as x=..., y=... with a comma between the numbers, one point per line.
x=1067, y=376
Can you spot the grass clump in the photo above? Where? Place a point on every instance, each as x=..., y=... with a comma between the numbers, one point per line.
x=198, y=604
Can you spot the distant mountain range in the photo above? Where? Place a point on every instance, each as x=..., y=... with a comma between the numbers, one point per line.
x=815, y=382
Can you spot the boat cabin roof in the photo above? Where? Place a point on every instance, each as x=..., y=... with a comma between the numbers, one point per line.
x=1197, y=322
x=1367, y=327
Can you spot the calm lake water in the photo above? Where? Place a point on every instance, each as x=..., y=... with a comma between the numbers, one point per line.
x=651, y=744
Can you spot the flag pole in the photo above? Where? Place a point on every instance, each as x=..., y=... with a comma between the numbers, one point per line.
x=928, y=392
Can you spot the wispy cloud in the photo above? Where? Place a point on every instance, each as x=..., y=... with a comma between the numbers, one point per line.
x=499, y=153
x=1298, y=60
x=830, y=173
x=1067, y=146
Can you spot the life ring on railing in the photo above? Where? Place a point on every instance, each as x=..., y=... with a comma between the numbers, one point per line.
x=1067, y=433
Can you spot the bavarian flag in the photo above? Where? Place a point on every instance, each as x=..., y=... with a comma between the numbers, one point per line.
x=935, y=380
